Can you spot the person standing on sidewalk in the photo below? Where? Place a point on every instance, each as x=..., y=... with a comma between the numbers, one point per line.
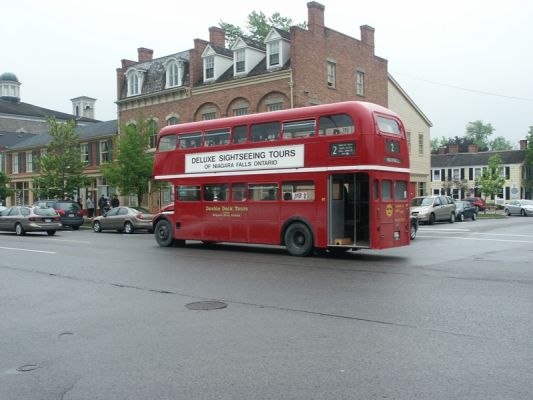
x=102, y=202
x=114, y=201
x=90, y=206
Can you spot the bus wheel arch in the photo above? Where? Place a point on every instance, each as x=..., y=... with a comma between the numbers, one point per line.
x=163, y=232
x=298, y=237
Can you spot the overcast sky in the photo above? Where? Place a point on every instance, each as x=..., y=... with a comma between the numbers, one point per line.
x=459, y=60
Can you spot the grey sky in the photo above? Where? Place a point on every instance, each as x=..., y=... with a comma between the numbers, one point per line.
x=441, y=53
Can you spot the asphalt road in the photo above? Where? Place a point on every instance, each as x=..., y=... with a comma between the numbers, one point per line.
x=104, y=316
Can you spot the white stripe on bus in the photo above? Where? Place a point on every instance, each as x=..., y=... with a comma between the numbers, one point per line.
x=288, y=171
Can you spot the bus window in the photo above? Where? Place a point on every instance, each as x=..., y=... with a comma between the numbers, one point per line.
x=304, y=190
x=341, y=124
x=265, y=132
x=167, y=143
x=216, y=192
x=240, y=134
x=263, y=192
x=190, y=140
x=188, y=193
x=386, y=190
x=400, y=190
x=217, y=137
x=299, y=129
x=388, y=125
x=238, y=192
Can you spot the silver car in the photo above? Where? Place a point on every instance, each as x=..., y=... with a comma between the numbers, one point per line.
x=519, y=207
x=22, y=219
x=124, y=219
x=433, y=208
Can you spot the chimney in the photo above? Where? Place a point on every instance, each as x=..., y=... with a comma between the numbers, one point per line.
x=453, y=148
x=145, y=54
x=315, y=16
x=217, y=36
x=367, y=35
x=472, y=148
x=442, y=150
x=523, y=144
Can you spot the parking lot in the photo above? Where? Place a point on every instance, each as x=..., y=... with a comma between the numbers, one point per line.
x=104, y=315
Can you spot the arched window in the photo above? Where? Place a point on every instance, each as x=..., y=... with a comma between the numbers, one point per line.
x=172, y=121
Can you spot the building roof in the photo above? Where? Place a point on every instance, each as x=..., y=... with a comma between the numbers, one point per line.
x=86, y=132
x=282, y=33
x=476, y=159
x=29, y=110
x=409, y=100
x=9, y=77
x=9, y=139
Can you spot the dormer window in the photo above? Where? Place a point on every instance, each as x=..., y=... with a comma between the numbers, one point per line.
x=135, y=81
x=209, y=66
x=240, y=65
x=278, y=48
x=173, y=77
x=174, y=72
x=273, y=53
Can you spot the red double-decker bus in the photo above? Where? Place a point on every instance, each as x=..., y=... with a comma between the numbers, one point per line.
x=331, y=177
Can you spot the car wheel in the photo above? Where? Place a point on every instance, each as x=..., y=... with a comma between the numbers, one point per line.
x=431, y=219
x=507, y=212
x=299, y=239
x=523, y=213
x=461, y=217
x=413, y=232
x=75, y=227
x=452, y=218
x=50, y=233
x=128, y=227
x=163, y=233
x=19, y=230
x=474, y=216
x=97, y=227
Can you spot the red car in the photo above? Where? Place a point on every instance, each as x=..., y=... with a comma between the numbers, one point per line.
x=476, y=201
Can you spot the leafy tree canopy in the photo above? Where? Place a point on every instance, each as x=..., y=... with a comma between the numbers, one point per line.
x=492, y=180
x=5, y=189
x=500, y=143
x=479, y=133
x=61, y=168
x=257, y=26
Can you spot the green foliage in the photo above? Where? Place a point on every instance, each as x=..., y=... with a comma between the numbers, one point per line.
x=491, y=181
x=5, y=189
x=528, y=165
x=500, y=143
x=131, y=169
x=258, y=26
x=61, y=168
x=479, y=133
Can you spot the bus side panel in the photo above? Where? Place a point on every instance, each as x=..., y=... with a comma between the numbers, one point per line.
x=188, y=216
x=263, y=222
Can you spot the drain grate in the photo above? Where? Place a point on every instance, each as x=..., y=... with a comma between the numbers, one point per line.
x=206, y=305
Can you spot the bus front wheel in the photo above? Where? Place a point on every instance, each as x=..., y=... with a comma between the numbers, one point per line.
x=299, y=239
x=163, y=233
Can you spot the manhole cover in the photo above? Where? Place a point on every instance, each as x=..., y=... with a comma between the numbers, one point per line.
x=206, y=305
x=27, y=368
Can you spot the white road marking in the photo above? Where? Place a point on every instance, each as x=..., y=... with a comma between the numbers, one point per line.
x=28, y=250
x=479, y=239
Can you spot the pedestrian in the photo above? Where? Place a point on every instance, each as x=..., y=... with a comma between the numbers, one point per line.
x=90, y=206
x=102, y=201
x=114, y=201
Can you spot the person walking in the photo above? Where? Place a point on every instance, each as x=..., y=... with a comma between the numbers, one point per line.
x=102, y=201
x=90, y=206
x=114, y=201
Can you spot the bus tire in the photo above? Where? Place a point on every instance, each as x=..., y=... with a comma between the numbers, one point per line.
x=163, y=233
x=299, y=239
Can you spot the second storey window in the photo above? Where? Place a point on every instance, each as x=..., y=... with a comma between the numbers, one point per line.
x=105, y=151
x=173, y=78
x=273, y=53
x=275, y=106
x=172, y=121
x=239, y=61
x=84, y=153
x=133, y=85
x=209, y=115
x=152, y=128
x=331, y=74
x=360, y=83
x=29, y=161
x=15, y=163
x=420, y=145
x=209, y=63
x=240, y=111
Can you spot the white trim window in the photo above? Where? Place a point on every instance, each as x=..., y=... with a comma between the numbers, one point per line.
x=331, y=73
x=275, y=106
x=273, y=54
x=209, y=115
x=209, y=67
x=174, y=72
x=15, y=163
x=436, y=174
x=420, y=144
x=105, y=151
x=84, y=153
x=240, y=111
x=360, y=83
x=240, y=61
x=29, y=161
x=135, y=81
x=173, y=120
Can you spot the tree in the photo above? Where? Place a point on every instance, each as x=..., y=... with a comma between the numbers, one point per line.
x=479, y=133
x=258, y=26
x=5, y=189
x=61, y=168
x=492, y=180
x=528, y=166
x=500, y=143
x=131, y=169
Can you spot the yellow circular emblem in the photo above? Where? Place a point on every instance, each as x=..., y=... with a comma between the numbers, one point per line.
x=388, y=210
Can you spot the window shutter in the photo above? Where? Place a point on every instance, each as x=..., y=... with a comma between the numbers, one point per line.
x=110, y=150
x=442, y=174
x=90, y=151
x=97, y=145
x=22, y=162
x=8, y=164
x=450, y=176
x=471, y=174
x=462, y=173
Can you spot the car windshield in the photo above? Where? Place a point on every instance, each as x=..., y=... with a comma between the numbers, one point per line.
x=527, y=202
x=422, y=201
x=67, y=206
x=45, y=212
x=140, y=210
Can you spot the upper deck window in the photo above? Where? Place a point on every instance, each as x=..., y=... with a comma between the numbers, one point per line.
x=388, y=125
x=299, y=129
x=240, y=134
x=341, y=124
x=190, y=140
x=265, y=132
x=167, y=143
x=217, y=137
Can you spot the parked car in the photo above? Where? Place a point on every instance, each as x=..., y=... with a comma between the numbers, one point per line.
x=22, y=219
x=465, y=210
x=521, y=207
x=124, y=219
x=413, y=227
x=70, y=211
x=433, y=208
x=476, y=201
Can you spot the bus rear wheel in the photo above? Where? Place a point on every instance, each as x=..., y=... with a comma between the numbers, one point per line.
x=299, y=239
x=163, y=233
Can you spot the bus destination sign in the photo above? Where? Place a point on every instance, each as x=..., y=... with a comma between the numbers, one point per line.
x=342, y=149
x=245, y=159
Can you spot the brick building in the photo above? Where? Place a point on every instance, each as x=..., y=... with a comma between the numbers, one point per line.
x=298, y=68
